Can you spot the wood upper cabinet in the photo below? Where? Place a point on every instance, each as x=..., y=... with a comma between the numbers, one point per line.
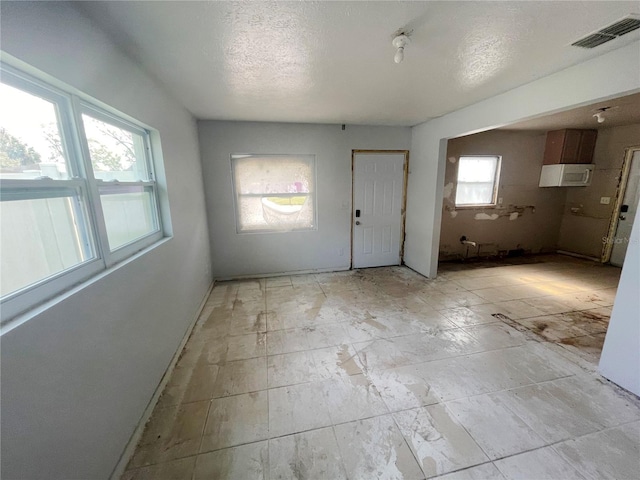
x=570, y=146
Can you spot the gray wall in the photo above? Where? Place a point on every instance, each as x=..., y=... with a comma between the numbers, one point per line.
x=529, y=217
x=77, y=377
x=582, y=231
x=328, y=247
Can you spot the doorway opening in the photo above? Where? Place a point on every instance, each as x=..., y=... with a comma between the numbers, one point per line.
x=502, y=253
x=624, y=211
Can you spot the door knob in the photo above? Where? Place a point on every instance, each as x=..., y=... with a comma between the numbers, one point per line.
x=622, y=217
x=357, y=223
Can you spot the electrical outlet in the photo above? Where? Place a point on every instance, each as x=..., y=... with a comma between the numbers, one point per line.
x=500, y=201
x=605, y=200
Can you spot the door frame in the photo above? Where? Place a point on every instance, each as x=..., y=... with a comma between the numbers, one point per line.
x=403, y=209
x=607, y=248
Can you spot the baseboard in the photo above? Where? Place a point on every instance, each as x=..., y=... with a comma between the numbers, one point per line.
x=130, y=448
x=578, y=255
x=282, y=274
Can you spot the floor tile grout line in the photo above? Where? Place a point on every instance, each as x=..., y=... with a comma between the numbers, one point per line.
x=343, y=463
x=463, y=469
x=204, y=426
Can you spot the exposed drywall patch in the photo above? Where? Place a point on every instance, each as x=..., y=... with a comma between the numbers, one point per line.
x=454, y=214
x=452, y=159
x=448, y=190
x=484, y=216
x=513, y=215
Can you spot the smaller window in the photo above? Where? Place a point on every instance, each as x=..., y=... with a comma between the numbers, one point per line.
x=274, y=193
x=477, y=180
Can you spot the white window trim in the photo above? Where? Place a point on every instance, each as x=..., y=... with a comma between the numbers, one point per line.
x=114, y=256
x=70, y=107
x=313, y=195
x=496, y=182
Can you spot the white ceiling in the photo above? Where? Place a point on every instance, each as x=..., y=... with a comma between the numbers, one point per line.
x=622, y=111
x=332, y=62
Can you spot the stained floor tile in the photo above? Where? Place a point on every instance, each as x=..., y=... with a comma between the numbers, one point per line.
x=593, y=454
x=236, y=420
x=248, y=324
x=175, y=469
x=495, y=336
x=464, y=316
x=286, y=341
x=382, y=373
x=465, y=376
x=241, y=376
x=242, y=347
x=297, y=408
x=375, y=448
x=334, y=362
x=403, y=388
x=352, y=398
x=246, y=462
x=551, y=411
x=542, y=464
x=439, y=442
x=172, y=433
x=313, y=454
x=496, y=429
x=290, y=368
x=322, y=336
x=201, y=383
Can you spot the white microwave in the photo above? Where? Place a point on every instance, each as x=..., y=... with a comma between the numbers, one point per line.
x=566, y=175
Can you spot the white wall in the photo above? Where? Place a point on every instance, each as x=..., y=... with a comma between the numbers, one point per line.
x=77, y=377
x=327, y=247
x=620, y=359
x=613, y=74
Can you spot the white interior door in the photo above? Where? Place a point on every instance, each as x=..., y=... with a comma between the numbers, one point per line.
x=377, y=209
x=627, y=212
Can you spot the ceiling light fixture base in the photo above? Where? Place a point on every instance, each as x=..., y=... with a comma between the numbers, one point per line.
x=400, y=41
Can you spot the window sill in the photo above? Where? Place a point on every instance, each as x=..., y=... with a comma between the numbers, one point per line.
x=24, y=317
x=477, y=207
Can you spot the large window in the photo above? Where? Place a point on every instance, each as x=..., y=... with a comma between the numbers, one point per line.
x=477, y=181
x=77, y=191
x=274, y=193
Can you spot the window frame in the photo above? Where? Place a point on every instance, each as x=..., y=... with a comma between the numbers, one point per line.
x=120, y=253
x=69, y=109
x=236, y=195
x=496, y=183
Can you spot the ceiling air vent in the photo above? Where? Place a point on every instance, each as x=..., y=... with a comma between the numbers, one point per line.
x=610, y=32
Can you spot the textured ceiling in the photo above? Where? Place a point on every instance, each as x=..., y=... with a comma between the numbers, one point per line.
x=332, y=62
x=623, y=111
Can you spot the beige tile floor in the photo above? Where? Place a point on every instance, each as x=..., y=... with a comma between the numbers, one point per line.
x=486, y=372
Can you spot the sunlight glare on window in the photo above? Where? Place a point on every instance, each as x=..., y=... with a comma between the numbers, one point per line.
x=30, y=141
x=274, y=192
x=116, y=154
x=477, y=180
